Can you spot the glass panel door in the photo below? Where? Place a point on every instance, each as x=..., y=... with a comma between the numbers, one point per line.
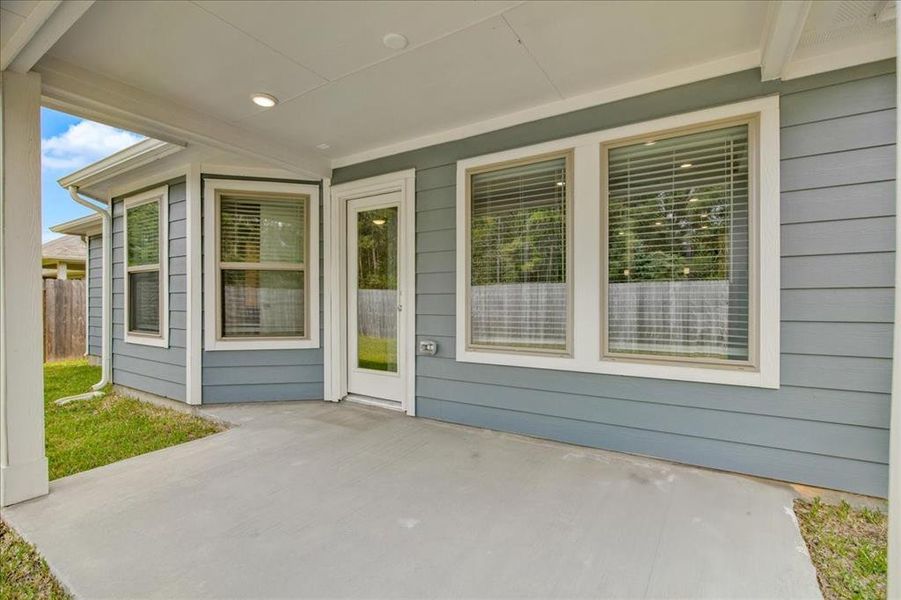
x=377, y=300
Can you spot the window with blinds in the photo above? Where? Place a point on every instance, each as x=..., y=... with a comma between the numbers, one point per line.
x=262, y=271
x=518, y=237
x=142, y=227
x=678, y=256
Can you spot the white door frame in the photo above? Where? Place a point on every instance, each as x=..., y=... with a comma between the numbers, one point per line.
x=335, y=226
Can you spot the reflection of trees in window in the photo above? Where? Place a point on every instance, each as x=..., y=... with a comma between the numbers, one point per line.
x=518, y=224
x=377, y=249
x=676, y=208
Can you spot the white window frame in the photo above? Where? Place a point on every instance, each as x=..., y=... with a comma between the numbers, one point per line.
x=161, y=196
x=567, y=156
x=589, y=241
x=211, y=305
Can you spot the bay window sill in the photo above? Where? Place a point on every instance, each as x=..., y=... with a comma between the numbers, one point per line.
x=267, y=344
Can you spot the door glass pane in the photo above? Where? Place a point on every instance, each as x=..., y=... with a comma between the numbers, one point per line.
x=377, y=289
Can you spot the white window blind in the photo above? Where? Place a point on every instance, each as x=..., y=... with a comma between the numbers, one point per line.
x=142, y=224
x=518, y=290
x=262, y=269
x=678, y=246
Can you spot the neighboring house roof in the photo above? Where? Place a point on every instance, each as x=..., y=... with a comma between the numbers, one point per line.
x=68, y=248
x=89, y=225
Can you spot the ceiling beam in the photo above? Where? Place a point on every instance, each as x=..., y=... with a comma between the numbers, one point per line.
x=783, y=32
x=43, y=27
x=91, y=96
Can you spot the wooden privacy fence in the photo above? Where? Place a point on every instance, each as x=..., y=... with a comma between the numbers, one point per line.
x=64, y=319
x=377, y=313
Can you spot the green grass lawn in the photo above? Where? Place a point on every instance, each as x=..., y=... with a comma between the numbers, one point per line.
x=848, y=547
x=83, y=435
x=379, y=354
x=89, y=433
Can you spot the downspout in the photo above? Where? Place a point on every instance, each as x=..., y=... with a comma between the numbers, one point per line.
x=105, y=299
x=87, y=295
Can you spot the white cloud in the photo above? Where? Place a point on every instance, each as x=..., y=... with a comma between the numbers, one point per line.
x=82, y=144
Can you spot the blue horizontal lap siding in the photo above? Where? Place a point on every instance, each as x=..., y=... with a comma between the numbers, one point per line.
x=827, y=424
x=95, y=295
x=265, y=375
x=159, y=371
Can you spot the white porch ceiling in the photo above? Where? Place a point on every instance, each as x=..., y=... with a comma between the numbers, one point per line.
x=467, y=62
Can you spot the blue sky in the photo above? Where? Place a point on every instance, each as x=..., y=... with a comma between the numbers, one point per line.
x=68, y=144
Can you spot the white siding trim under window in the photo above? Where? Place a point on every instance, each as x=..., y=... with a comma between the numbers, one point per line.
x=307, y=266
x=160, y=197
x=589, y=240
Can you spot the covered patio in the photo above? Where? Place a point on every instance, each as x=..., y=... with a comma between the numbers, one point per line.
x=326, y=500
x=329, y=499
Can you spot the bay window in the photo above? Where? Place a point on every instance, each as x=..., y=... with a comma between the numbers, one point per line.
x=262, y=264
x=146, y=279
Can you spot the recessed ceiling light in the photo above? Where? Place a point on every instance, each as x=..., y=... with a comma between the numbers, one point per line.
x=378, y=221
x=395, y=41
x=560, y=184
x=323, y=146
x=692, y=199
x=264, y=100
x=685, y=165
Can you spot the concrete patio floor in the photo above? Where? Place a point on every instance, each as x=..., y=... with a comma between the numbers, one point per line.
x=340, y=500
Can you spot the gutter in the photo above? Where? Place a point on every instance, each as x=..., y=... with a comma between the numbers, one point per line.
x=105, y=302
x=138, y=155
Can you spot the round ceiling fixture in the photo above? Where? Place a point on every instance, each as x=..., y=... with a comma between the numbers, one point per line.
x=264, y=100
x=395, y=41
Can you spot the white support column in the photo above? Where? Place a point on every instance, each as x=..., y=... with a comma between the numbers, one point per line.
x=894, y=453
x=23, y=465
x=194, y=341
x=62, y=270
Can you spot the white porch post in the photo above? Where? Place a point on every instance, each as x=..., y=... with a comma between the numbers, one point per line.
x=894, y=459
x=23, y=465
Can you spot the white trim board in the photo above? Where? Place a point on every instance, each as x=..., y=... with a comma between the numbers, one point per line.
x=586, y=268
x=210, y=267
x=336, y=279
x=161, y=195
x=194, y=279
